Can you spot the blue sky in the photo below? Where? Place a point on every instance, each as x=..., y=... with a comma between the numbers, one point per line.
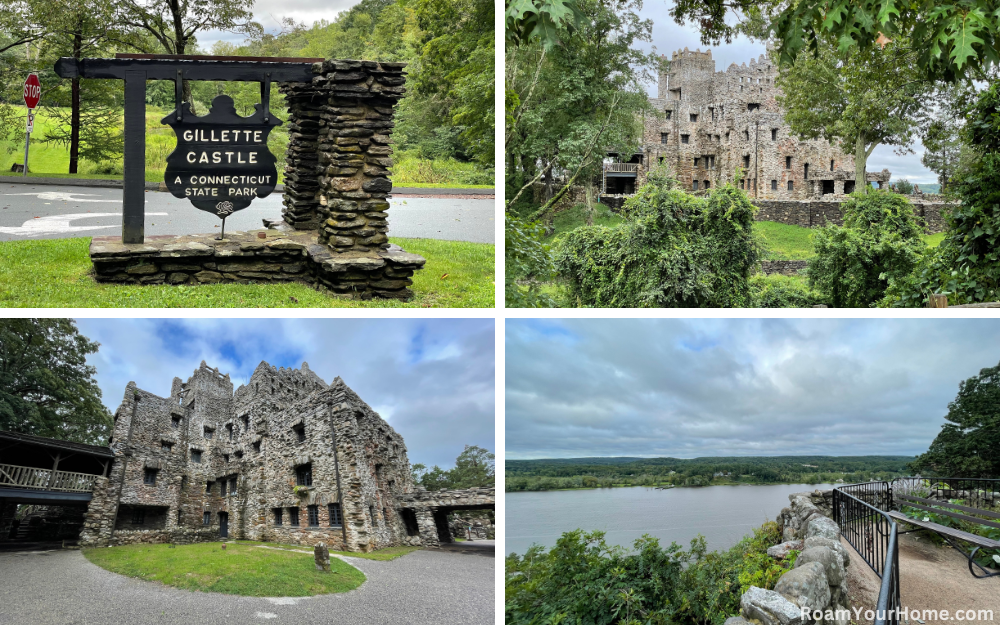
x=735, y=387
x=668, y=37
x=431, y=379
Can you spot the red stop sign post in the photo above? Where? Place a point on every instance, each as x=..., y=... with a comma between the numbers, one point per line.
x=32, y=94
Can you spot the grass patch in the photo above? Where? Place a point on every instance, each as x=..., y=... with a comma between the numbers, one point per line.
x=786, y=242
x=56, y=273
x=576, y=216
x=382, y=555
x=241, y=569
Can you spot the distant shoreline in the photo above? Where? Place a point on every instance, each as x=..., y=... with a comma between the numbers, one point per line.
x=551, y=490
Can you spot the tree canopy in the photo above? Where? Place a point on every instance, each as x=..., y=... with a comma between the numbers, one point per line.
x=46, y=386
x=969, y=442
x=474, y=467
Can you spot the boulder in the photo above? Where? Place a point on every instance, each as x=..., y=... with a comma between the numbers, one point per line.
x=780, y=552
x=819, y=541
x=736, y=620
x=822, y=527
x=806, y=586
x=769, y=608
x=832, y=563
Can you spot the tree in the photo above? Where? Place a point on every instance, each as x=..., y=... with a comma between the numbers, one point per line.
x=969, y=443
x=175, y=24
x=879, y=242
x=474, y=467
x=945, y=153
x=947, y=39
x=46, y=386
x=862, y=98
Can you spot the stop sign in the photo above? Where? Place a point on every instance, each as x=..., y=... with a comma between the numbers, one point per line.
x=32, y=91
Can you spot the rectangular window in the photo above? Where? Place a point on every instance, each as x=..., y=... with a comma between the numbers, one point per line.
x=246, y=422
x=806, y=171
x=175, y=422
x=790, y=185
x=753, y=106
x=664, y=137
x=774, y=185
x=150, y=477
x=195, y=455
x=256, y=446
x=166, y=447
x=138, y=516
x=371, y=513
x=293, y=516
x=669, y=113
x=774, y=134
x=300, y=433
x=313, y=516
x=746, y=135
x=336, y=520
x=831, y=165
x=694, y=185
x=222, y=487
x=304, y=475
x=229, y=430
x=746, y=160
x=225, y=458
x=206, y=519
x=184, y=482
x=788, y=162
x=706, y=185
x=694, y=117
x=232, y=487
x=696, y=159
x=684, y=138
x=209, y=432
x=277, y=516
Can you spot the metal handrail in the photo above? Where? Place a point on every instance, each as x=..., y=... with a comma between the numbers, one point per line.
x=873, y=535
x=45, y=479
x=621, y=167
x=982, y=493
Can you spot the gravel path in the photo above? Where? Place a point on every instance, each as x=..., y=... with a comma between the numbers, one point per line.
x=931, y=577
x=63, y=588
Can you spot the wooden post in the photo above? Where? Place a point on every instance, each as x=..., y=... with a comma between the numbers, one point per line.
x=133, y=206
x=937, y=300
x=55, y=467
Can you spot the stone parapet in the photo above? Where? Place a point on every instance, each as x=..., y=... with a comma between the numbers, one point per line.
x=257, y=255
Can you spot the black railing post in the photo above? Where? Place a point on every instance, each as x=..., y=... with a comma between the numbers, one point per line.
x=134, y=198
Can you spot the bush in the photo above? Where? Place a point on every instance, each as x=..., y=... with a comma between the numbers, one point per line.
x=584, y=580
x=674, y=250
x=778, y=291
x=966, y=264
x=879, y=242
x=904, y=186
x=527, y=264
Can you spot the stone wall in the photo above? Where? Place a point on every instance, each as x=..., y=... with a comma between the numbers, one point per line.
x=257, y=256
x=223, y=455
x=576, y=194
x=817, y=582
x=813, y=213
x=431, y=510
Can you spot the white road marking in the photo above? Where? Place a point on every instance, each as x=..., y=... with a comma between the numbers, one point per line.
x=266, y=615
x=66, y=197
x=57, y=224
x=284, y=600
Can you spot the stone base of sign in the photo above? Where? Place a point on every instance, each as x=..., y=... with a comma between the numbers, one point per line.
x=256, y=256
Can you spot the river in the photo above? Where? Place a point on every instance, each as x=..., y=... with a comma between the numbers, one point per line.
x=722, y=514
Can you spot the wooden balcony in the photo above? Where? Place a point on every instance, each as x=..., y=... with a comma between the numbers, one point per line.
x=621, y=168
x=46, y=479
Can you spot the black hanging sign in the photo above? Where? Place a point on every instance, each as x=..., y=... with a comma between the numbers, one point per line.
x=221, y=162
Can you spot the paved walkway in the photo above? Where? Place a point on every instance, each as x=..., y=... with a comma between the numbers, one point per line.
x=424, y=587
x=931, y=577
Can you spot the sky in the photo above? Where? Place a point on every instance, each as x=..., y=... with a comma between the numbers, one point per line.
x=431, y=379
x=269, y=13
x=687, y=388
x=669, y=37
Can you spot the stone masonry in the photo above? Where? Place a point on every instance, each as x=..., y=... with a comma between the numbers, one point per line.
x=336, y=190
x=285, y=457
x=712, y=124
x=427, y=511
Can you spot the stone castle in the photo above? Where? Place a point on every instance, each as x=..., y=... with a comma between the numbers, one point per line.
x=711, y=124
x=285, y=457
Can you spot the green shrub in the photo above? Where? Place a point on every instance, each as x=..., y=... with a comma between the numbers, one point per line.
x=904, y=186
x=778, y=291
x=527, y=264
x=966, y=265
x=584, y=580
x=674, y=250
x=879, y=242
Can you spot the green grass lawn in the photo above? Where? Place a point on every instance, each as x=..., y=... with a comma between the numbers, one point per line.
x=786, y=242
x=388, y=553
x=51, y=160
x=240, y=569
x=56, y=273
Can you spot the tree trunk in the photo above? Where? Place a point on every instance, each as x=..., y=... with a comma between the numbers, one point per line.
x=548, y=186
x=860, y=160
x=74, y=124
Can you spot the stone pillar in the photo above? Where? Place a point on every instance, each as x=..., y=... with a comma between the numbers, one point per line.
x=301, y=198
x=7, y=512
x=322, y=557
x=99, y=520
x=428, y=529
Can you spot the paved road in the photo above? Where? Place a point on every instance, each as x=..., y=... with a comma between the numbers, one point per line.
x=424, y=587
x=48, y=212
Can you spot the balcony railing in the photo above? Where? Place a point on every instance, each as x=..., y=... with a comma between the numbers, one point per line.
x=621, y=168
x=45, y=479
